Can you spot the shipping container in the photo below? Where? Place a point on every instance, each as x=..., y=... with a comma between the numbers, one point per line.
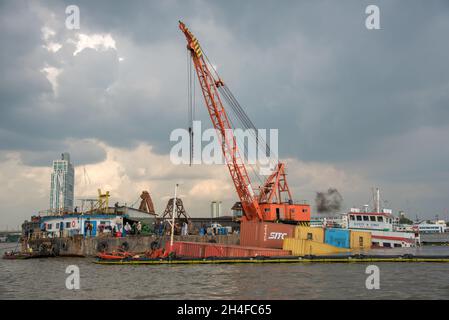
x=211, y=250
x=217, y=250
x=186, y=249
x=206, y=250
x=265, y=234
x=300, y=247
x=309, y=233
x=337, y=237
x=360, y=239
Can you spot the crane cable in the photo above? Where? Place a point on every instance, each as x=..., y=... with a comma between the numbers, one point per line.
x=237, y=108
x=253, y=167
x=242, y=117
x=190, y=104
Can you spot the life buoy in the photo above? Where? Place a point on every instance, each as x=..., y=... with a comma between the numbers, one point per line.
x=73, y=224
x=125, y=246
x=154, y=245
x=102, y=246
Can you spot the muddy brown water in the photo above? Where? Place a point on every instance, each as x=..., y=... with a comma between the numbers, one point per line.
x=46, y=279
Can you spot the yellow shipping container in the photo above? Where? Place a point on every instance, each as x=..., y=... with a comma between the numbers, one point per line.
x=300, y=247
x=360, y=240
x=309, y=233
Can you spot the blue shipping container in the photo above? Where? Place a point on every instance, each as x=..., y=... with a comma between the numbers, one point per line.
x=337, y=237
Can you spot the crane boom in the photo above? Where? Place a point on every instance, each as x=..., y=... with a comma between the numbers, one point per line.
x=267, y=205
x=221, y=123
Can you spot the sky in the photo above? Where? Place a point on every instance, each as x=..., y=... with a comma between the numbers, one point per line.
x=355, y=108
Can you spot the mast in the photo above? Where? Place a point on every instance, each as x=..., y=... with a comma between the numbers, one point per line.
x=376, y=199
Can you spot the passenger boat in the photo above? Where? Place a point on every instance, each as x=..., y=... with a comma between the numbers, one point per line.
x=381, y=224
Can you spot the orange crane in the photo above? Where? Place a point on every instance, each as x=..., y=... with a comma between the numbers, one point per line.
x=267, y=205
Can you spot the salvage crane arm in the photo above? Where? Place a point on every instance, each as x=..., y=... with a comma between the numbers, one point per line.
x=268, y=204
x=209, y=87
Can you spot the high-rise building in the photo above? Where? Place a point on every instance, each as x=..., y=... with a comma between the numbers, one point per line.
x=62, y=185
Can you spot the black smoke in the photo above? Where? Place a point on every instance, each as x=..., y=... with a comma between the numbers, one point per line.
x=328, y=201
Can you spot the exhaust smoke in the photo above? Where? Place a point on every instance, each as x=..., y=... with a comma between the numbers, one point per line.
x=328, y=201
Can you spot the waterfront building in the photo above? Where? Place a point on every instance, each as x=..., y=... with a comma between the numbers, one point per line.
x=73, y=224
x=62, y=185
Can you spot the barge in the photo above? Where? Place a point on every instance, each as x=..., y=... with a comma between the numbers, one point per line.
x=283, y=259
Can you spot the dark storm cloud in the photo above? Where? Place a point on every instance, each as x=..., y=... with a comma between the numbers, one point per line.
x=337, y=91
x=20, y=58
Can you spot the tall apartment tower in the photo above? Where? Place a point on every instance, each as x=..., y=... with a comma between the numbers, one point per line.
x=62, y=185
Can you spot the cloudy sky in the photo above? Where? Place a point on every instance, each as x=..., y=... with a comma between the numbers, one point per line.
x=355, y=108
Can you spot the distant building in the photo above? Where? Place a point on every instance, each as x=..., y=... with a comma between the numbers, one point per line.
x=431, y=227
x=237, y=210
x=215, y=209
x=62, y=185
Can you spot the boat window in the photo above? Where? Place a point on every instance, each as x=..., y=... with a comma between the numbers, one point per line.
x=49, y=226
x=365, y=218
x=380, y=219
x=372, y=218
x=67, y=224
x=57, y=225
x=359, y=218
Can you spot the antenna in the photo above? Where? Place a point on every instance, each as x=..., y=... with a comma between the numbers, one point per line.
x=378, y=199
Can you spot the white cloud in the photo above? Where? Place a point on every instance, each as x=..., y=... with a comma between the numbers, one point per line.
x=99, y=42
x=24, y=189
x=52, y=74
x=47, y=33
x=125, y=173
x=53, y=46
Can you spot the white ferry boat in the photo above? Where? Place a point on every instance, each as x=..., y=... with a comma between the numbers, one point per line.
x=381, y=224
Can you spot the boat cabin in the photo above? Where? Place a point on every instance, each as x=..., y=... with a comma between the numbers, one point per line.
x=382, y=221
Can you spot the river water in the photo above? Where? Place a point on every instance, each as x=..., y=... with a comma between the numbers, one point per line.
x=46, y=279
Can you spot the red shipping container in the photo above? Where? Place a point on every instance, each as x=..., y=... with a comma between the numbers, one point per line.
x=205, y=250
x=212, y=250
x=187, y=249
x=234, y=251
x=265, y=234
